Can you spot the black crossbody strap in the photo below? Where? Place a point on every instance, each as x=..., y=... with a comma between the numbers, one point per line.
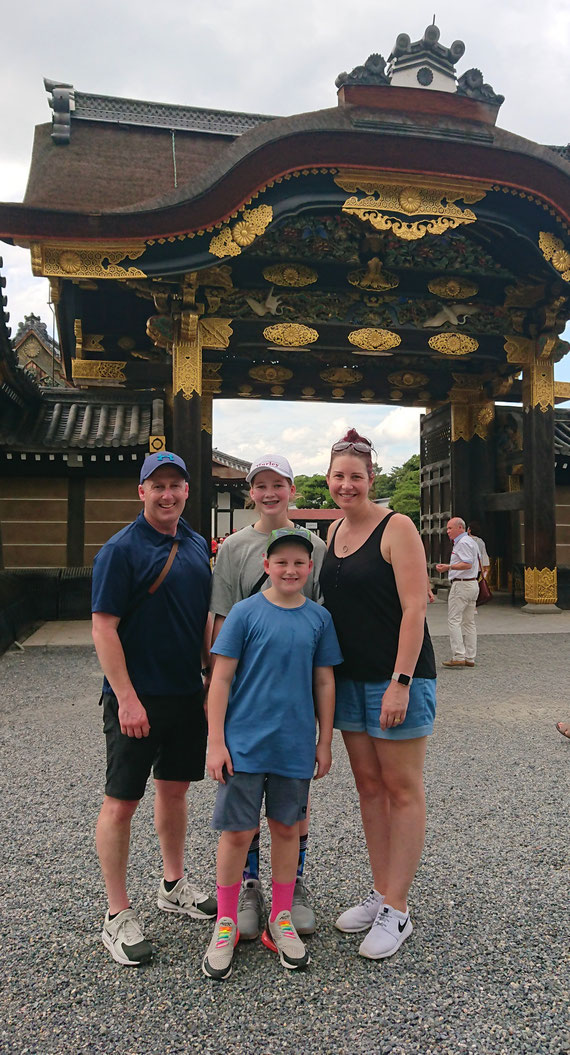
x=258, y=584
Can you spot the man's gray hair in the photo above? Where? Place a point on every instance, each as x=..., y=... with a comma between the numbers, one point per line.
x=461, y=522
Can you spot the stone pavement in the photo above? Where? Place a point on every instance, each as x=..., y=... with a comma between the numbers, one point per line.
x=485, y=971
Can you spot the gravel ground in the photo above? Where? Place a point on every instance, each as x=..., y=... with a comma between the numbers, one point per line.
x=486, y=969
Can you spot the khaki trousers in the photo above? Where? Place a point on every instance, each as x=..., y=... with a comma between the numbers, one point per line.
x=461, y=618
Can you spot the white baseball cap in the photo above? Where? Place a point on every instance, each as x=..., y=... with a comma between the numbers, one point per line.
x=276, y=462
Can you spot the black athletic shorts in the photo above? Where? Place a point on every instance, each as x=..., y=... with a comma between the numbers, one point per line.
x=175, y=748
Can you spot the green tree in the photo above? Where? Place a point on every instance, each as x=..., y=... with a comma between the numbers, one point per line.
x=405, y=498
x=312, y=492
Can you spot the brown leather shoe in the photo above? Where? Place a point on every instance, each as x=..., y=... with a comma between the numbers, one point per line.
x=454, y=663
x=469, y=662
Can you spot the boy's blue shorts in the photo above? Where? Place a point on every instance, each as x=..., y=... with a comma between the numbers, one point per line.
x=358, y=706
x=238, y=801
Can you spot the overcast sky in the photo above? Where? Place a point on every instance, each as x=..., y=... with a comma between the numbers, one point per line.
x=266, y=58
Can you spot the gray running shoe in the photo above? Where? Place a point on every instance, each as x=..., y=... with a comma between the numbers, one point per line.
x=124, y=939
x=292, y=952
x=389, y=930
x=362, y=916
x=251, y=910
x=217, y=962
x=185, y=900
x=301, y=912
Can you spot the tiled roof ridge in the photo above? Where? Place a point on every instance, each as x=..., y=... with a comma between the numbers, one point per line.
x=230, y=461
x=24, y=386
x=70, y=105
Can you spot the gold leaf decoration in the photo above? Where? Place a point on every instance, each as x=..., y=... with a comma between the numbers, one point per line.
x=519, y=350
x=232, y=238
x=290, y=334
x=407, y=379
x=373, y=277
x=270, y=374
x=452, y=288
x=290, y=275
x=435, y=203
x=98, y=370
x=215, y=333
x=341, y=375
x=374, y=341
x=187, y=356
x=96, y=261
x=453, y=343
x=553, y=249
x=540, y=585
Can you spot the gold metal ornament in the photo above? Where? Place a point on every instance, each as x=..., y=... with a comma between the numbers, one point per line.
x=372, y=341
x=215, y=333
x=453, y=343
x=562, y=389
x=540, y=585
x=407, y=379
x=373, y=277
x=270, y=374
x=340, y=375
x=187, y=356
x=519, y=350
x=538, y=385
x=412, y=198
x=98, y=370
x=290, y=275
x=211, y=380
x=553, y=249
x=290, y=334
x=156, y=443
x=92, y=342
x=232, y=238
x=206, y=408
x=452, y=288
x=337, y=393
x=277, y=390
x=77, y=261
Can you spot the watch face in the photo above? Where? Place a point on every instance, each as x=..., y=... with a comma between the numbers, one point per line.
x=404, y=679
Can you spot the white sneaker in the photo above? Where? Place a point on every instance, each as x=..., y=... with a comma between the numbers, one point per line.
x=124, y=939
x=185, y=900
x=362, y=916
x=389, y=930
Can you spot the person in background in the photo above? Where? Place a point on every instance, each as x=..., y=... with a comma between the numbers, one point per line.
x=463, y=572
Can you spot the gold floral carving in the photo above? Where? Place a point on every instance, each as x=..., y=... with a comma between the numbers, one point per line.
x=290, y=275
x=308, y=392
x=77, y=261
x=233, y=238
x=562, y=389
x=270, y=374
x=374, y=341
x=215, y=333
x=519, y=350
x=290, y=334
x=337, y=393
x=78, y=334
x=367, y=394
x=341, y=375
x=513, y=483
x=469, y=419
x=452, y=288
x=407, y=379
x=453, y=343
x=92, y=342
x=373, y=277
x=482, y=418
x=384, y=203
x=538, y=385
x=187, y=356
x=277, y=390
x=397, y=394
x=97, y=370
x=540, y=585
x=553, y=249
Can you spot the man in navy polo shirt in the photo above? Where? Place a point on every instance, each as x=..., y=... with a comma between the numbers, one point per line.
x=153, y=648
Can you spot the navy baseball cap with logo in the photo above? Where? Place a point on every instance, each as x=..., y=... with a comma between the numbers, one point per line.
x=161, y=459
x=286, y=534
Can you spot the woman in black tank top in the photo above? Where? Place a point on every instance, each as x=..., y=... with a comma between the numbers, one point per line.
x=373, y=582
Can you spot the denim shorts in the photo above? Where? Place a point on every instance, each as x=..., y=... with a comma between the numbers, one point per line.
x=358, y=706
x=238, y=801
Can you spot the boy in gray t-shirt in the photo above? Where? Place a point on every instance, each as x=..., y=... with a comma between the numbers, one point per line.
x=238, y=574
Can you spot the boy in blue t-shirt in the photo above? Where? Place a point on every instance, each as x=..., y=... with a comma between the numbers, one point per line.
x=275, y=654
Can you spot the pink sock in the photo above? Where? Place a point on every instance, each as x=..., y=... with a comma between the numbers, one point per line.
x=281, y=898
x=228, y=900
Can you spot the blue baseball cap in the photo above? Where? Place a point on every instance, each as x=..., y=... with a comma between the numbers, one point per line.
x=160, y=460
x=286, y=534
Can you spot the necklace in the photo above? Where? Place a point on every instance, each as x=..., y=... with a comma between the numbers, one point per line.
x=345, y=549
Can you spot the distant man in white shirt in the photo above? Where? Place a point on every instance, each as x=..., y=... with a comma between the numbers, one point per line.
x=463, y=570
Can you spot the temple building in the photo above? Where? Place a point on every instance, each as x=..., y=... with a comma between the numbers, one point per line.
x=398, y=248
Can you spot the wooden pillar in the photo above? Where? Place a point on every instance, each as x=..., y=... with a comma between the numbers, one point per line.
x=472, y=420
x=540, y=581
x=186, y=405
x=206, y=445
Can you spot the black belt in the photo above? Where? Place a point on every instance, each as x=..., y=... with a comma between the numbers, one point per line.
x=474, y=579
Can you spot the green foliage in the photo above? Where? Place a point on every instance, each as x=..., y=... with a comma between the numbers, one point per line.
x=313, y=493
x=405, y=496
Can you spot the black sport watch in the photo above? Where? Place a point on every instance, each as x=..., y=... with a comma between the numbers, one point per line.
x=402, y=679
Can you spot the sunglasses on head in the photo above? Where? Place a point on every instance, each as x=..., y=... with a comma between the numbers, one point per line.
x=343, y=445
